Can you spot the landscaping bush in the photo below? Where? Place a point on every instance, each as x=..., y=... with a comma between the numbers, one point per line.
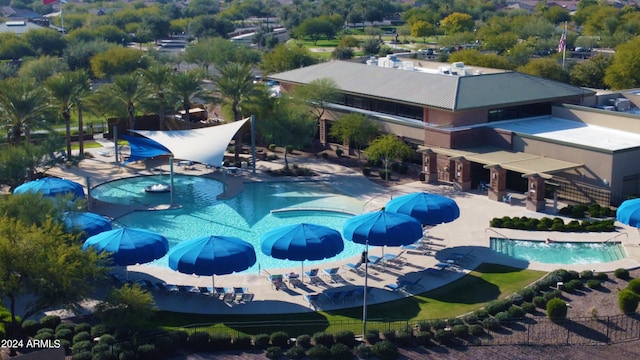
x=345, y=337
x=70, y=326
x=454, y=321
x=621, y=273
x=384, y=174
x=164, y=345
x=443, y=336
x=573, y=285
x=288, y=149
x=438, y=324
x=556, y=309
x=540, y=302
x=322, y=338
x=179, y=337
x=594, y=284
x=99, y=330
x=476, y=330
x=66, y=334
x=50, y=321
x=516, y=299
x=272, y=147
x=528, y=307
x=404, y=338
x=242, y=342
x=85, y=355
x=45, y=330
x=502, y=316
x=389, y=335
x=586, y=274
x=81, y=346
x=602, y=276
x=319, y=352
x=628, y=301
x=127, y=355
x=147, y=352
x=273, y=352
x=516, y=312
x=339, y=152
x=44, y=335
x=527, y=294
x=481, y=314
x=460, y=331
x=372, y=336
x=30, y=327
x=341, y=351
x=107, y=339
x=81, y=336
x=104, y=352
x=280, y=338
x=491, y=323
x=199, y=341
x=385, y=350
x=261, y=341
x=220, y=342
x=634, y=285
x=553, y=294
x=471, y=319
x=304, y=341
x=423, y=338
x=364, y=351
x=82, y=327
x=295, y=352
x=493, y=307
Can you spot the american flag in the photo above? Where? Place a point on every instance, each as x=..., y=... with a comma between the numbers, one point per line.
x=563, y=41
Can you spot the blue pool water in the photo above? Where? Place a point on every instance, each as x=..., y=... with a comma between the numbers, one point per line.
x=246, y=216
x=559, y=252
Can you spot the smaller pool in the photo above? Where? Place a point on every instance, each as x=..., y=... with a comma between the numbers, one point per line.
x=559, y=252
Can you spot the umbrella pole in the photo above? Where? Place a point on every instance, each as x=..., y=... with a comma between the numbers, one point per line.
x=364, y=298
x=213, y=282
x=302, y=271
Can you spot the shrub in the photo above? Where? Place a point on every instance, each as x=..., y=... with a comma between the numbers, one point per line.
x=341, y=351
x=404, y=338
x=199, y=341
x=99, y=330
x=81, y=336
x=540, y=302
x=272, y=147
x=385, y=350
x=493, y=307
x=528, y=307
x=280, y=338
x=471, y=319
x=127, y=355
x=364, y=351
x=372, y=336
x=527, y=294
x=273, y=352
x=288, y=149
x=242, y=342
x=454, y=321
x=295, y=352
x=322, y=338
x=261, y=341
x=627, y=301
x=81, y=346
x=44, y=335
x=634, y=285
x=107, y=339
x=460, y=331
x=476, y=330
x=346, y=337
x=84, y=355
x=220, y=342
x=586, y=274
x=319, y=352
x=339, y=152
x=438, y=324
x=443, y=336
x=179, y=337
x=554, y=294
x=556, y=309
x=147, y=351
x=621, y=273
x=516, y=312
x=389, y=335
x=423, y=338
x=82, y=327
x=66, y=334
x=50, y=321
x=304, y=341
x=516, y=299
x=594, y=284
x=384, y=174
x=602, y=276
x=481, y=314
x=491, y=323
x=324, y=156
x=164, y=345
x=502, y=316
x=30, y=327
x=67, y=325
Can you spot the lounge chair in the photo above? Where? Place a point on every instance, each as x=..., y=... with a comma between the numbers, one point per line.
x=403, y=285
x=170, y=288
x=376, y=261
x=353, y=267
x=293, y=279
x=229, y=295
x=332, y=274
x=219, y=292
x=395, y=259
x=206, y=290
x=277, y=281
x=312, y=275
x=239, y=293
x=187, y=289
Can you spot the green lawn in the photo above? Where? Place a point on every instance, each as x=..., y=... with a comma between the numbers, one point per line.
x=487, y=282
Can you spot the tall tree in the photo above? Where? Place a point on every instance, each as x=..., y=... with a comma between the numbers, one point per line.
x=317, y=95
x=624, y=73
x=235, y=85
x=184, y=87
x=127, y=91
x=157, y=78
x=286, y=57
x=23, y=106
x=355, y=129
x=67, y=89
x=388, y=148
x=19, y=163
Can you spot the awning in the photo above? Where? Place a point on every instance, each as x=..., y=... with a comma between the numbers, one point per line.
x=204, y=145
x=143, y=148
x=489, y=156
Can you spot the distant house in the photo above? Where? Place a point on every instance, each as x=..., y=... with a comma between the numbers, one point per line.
x=18, y=26
x=9, y=12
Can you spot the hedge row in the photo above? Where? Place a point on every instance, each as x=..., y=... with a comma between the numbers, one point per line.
x=555, y=224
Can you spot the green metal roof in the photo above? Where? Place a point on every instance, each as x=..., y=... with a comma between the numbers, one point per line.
x=449, y=92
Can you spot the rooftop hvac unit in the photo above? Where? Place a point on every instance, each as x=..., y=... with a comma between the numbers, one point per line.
x=622, y=104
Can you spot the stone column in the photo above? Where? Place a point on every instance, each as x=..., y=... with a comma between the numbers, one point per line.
x=498, y=183
x=462, y=174
x=430, y=167
x=535, y=194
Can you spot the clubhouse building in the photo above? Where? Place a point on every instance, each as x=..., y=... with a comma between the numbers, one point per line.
x=500, y=131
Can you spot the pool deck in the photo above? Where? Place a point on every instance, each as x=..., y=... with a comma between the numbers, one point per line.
x=467, y=235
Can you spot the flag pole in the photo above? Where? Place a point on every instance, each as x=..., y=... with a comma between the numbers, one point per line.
x=564, y=45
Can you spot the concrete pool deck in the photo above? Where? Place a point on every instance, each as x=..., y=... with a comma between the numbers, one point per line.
x=467, y=235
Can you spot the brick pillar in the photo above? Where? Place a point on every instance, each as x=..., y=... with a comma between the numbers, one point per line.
x=462, y=175
x=535, y=194
x=497, y=183
x=430, y=167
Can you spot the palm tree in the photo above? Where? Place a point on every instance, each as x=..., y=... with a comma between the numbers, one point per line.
x=184, y=86
x=157, y=79
x=235, y=85
x=67, y=90
x=126, y=90
x=23, y=106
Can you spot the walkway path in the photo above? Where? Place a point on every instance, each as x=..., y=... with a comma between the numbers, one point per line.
x=470, y=233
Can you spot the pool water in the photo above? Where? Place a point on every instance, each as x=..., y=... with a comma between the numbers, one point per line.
x=559, y=252
x=246, y=216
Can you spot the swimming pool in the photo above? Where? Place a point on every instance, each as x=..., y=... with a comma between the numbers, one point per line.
x=246, y=216
x=559, y=252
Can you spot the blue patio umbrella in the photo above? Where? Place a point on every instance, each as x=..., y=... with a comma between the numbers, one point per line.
x=212, y=255
x=380, y=228
x=300, y=242
x=628, y=212
x=129, y=246
x=86, y=222
x=52, y=186
x=429, y=209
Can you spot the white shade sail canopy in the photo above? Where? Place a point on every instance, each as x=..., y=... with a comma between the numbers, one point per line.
x=204, y=145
